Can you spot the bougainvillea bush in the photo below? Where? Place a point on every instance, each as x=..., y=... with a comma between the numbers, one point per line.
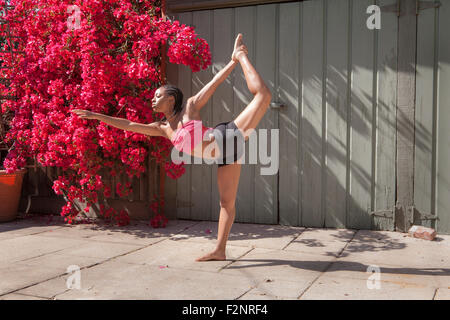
x=98, y=55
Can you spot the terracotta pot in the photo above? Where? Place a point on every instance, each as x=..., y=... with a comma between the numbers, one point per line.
x=10, y=191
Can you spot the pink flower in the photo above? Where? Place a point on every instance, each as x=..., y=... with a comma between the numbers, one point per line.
x=110, y=65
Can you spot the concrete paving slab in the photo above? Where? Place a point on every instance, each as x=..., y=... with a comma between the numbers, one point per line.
x=369, y=240
x=15, y=296
x=330, y=287
x=243, y=234
x=50, y=288
x=442, y=294
x=380, y=247
x=31, y=221
x=18, y=276
x=322, y=241
x=182, y=254
x=118, y=280
x=23, y=228
x=125, y=238
x=102, y=235
x=256, y=294
x=8, y=235
x=103, y=250
x=61, y=261
x=264, y=261
x=73, y=232
x=432, y=277
x=137, y=232
x=261, y=264
x=26, y=247
x=143, y=233
x=277, y=290
x=143, y=227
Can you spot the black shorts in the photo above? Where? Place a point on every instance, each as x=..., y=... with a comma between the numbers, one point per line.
x=228, y=133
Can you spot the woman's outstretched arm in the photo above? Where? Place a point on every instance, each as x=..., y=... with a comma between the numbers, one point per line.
x=152, y=129
x=201, y=98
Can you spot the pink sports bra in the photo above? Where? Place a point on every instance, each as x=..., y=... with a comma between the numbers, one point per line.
x=184, y=138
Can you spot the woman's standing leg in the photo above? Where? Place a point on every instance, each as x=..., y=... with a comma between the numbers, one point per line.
x=227, y=182
x=228, y=175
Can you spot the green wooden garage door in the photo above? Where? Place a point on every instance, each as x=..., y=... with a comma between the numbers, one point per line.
x=432, y=134
x=337, y=131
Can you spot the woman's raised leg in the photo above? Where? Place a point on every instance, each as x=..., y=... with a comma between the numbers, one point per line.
x=249, y=118
x=227, y=182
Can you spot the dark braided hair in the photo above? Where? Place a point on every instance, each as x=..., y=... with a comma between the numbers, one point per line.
x=175, y=92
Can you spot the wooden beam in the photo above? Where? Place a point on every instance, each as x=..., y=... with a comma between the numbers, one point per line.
x=174, y=6
x=406, y=88
x=162, y=173
x=164, y=46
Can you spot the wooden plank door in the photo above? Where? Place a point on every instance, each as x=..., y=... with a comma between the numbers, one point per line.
x=196, y=191
x=432, y=118
x=337, y=132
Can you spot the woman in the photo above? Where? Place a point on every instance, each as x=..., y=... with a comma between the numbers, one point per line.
x=179, y=123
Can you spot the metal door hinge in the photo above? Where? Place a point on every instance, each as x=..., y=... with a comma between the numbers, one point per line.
x=388, y=213
x=276, y=105
x=415, y=215
x=422, y=5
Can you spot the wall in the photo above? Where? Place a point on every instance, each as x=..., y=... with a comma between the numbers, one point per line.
x=432, y=117
x=337, y=80
x=39, y=197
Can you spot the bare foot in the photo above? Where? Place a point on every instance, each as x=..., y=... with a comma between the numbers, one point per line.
x=239, y=48
x=215, y=255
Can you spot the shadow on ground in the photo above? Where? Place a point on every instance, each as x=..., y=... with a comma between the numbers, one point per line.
x=354, y=241
x=321, y=266
x=136, y=228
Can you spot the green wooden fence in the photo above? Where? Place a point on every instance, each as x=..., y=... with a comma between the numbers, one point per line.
x=339, y=129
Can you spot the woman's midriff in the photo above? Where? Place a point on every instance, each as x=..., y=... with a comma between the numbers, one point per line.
x=206, y=149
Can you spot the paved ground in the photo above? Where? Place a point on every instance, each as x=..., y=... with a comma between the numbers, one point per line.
x=264, y=262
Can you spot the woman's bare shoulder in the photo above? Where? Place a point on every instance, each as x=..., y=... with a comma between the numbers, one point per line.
x=160, y=126
x=166, y=129
x=191, y=111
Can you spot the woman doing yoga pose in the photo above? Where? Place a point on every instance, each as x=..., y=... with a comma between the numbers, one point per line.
x=180, y=122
